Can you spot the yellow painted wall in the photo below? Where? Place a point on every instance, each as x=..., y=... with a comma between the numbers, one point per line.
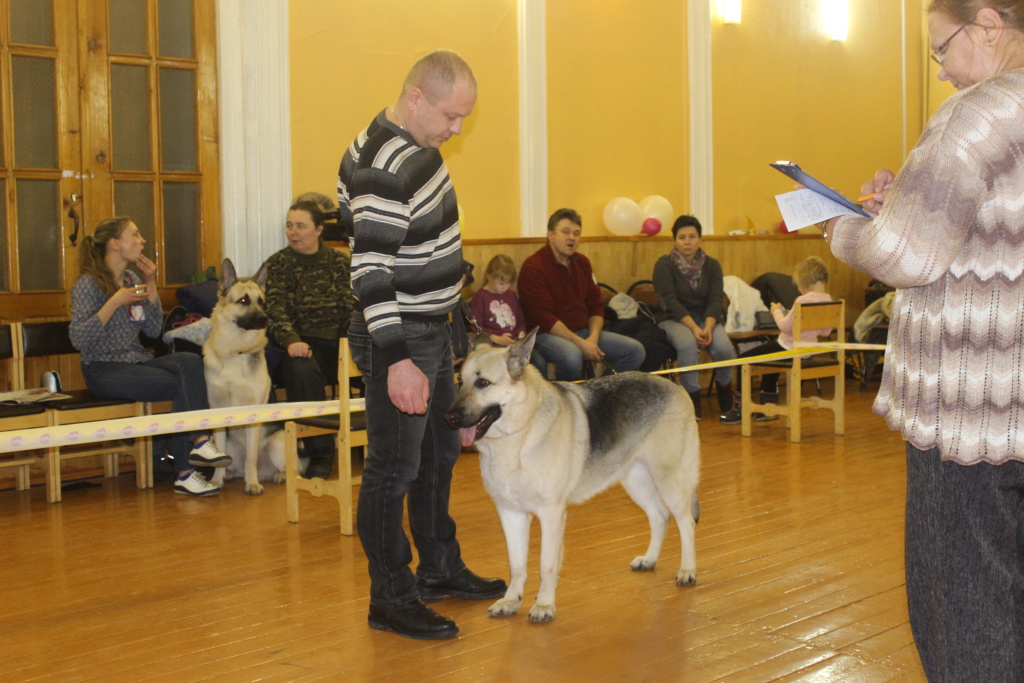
x=348, y=61
x=617, y=114
x=617, y=98
x=784, y=90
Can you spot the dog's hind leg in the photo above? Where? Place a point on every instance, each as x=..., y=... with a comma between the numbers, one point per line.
x=552, y=533
x=640, y=486
x=516, y=526
x=683, y=504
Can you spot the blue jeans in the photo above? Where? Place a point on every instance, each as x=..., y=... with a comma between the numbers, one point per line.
x=408, y=457
x=621, y=353
x=176, y=377
x=687, y=352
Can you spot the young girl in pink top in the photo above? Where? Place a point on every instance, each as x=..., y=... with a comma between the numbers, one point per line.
x=496, y=307
x=810, y=277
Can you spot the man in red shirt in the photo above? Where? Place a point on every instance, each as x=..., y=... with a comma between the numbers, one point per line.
x=560, y=296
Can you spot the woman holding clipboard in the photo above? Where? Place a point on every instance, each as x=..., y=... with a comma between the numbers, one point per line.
x=948, y=232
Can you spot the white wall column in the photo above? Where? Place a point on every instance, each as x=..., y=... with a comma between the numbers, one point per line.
x=533, y=119
x=255, y=128
x=702, y=162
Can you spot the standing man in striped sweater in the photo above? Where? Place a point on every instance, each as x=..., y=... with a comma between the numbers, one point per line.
x=399, y=206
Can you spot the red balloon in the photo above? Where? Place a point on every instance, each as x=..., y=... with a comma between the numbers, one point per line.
x=652, y=226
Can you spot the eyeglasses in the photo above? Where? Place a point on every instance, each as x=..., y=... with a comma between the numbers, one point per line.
x=939, y=53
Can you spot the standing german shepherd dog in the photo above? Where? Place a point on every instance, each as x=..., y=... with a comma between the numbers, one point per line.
x=236, y=375
x=545, y=444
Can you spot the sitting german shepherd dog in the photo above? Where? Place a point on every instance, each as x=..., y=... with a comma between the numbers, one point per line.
x=545, y=444
x=236, y=375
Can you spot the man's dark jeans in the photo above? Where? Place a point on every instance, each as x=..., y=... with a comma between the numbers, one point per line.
x=408, y=456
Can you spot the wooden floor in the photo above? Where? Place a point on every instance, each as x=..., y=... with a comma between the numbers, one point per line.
x=800, y=578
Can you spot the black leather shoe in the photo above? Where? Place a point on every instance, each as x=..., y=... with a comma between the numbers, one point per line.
x=413, y=620
x=465, y=584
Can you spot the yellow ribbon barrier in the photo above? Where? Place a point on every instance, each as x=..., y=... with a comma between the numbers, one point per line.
x=240, y=416
x=803, y=349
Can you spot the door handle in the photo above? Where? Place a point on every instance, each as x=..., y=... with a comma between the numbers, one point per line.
x=71, y=200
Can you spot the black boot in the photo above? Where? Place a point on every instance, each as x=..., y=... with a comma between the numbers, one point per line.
x=766, y=397
x=695, y=397
x=735, y=414
x=725, y=401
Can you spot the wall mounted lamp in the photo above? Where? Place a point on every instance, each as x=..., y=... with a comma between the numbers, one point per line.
x=730, y=11
x=835, y=16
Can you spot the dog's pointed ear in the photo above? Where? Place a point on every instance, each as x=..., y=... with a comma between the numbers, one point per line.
x=260, y=277
x=519, y=354
x=227, y=275
x=481, y=339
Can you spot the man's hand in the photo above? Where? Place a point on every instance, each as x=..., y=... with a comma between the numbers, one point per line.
x=408, y=387
x=591, y=351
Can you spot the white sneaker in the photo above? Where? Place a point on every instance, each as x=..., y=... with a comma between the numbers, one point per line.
x=195, y=485
x=208, y=455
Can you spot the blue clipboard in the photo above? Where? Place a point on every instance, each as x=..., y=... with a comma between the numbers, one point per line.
x=801, y=176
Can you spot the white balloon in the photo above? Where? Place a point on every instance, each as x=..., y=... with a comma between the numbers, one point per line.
x=622, y=216
x=658, y=207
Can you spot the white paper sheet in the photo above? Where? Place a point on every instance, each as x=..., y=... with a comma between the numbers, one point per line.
x=806, y=207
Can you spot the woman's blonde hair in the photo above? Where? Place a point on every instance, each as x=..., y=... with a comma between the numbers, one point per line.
x=502, y=266
x=91, y=254
x=809, y=271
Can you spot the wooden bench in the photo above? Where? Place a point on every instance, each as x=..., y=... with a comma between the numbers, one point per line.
x=19, y=416
x=51, y=339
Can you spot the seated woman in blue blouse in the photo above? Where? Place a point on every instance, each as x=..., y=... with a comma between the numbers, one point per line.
x=110, y=306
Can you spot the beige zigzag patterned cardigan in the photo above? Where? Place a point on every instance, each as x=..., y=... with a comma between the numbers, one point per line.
x=950, y=237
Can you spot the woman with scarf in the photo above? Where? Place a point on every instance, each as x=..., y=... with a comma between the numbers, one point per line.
x=689, y=287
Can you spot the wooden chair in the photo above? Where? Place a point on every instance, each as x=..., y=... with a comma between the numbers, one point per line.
x=810, y=317
x=351, y=433
x=18, y=417
x=51, y=339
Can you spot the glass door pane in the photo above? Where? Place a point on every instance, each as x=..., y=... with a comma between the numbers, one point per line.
x=181, y=232
x=135, y=199
x=34, y=85
x=32, y=22
x=129, y=27
x=5, y=266
x=178, y=119
x=176, y=29
x=39, y=234
x=129, y=115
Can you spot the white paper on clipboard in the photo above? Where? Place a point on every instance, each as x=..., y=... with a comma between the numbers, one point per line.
x=800, y=209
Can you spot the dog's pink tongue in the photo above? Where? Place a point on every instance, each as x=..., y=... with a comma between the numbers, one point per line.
x=467, y=435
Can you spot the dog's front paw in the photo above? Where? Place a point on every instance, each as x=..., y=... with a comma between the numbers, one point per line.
x=686, y=577
x=642, y=564
x=504, y=607
x=541, y=613
x=253, y=489
x=280, y=477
